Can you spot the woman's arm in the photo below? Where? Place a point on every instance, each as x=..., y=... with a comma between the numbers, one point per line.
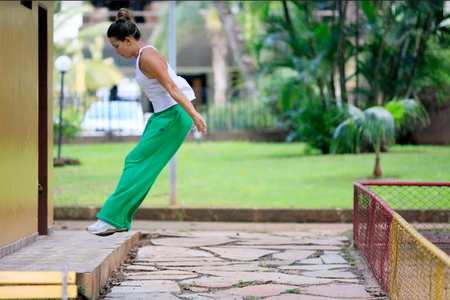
x=154, y=66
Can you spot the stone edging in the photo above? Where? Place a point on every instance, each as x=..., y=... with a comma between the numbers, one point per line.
x=90, y=284
x=17, y=245
x=203, y=214
x=208, y=214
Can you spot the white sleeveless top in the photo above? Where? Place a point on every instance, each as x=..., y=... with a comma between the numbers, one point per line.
x=156, y=93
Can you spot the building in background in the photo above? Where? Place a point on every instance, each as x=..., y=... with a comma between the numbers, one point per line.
x=26, y=152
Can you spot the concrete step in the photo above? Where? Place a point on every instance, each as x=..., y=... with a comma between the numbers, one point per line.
x=93, y=258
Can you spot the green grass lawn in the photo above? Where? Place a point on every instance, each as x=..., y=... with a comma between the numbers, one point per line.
x=239, y=174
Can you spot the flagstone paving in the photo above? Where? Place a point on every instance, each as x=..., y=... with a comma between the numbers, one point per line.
x=293, y=255
x=239, y=265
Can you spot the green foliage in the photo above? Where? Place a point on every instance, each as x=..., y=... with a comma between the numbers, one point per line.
x=241, y=284
x=374, y=126
x=408, y=22
x=280, y=90
x=369, y=10
x=295, y=59
x=434, y=71
x=248, y=283
x=95, y=71
x=377, y=126
x=294, y=291
x=347, y=137
x=71, y=124
x=313, y=124
x=57, y=7
x=61, y=18
x=186, y=286
x=408, y=115
x=262, y=264
x=286, y=47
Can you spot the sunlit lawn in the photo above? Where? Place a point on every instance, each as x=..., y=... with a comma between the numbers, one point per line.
x=238, y=174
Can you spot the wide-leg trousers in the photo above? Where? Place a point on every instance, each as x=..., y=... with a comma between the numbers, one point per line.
x=162, y=137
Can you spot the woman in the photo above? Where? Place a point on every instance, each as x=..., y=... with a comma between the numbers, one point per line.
x=164, y=133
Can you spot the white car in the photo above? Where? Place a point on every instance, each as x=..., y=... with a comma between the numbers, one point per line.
x=124, y=116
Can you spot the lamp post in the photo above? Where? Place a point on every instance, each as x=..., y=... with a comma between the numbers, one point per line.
x=173, y=64
x=62, y=64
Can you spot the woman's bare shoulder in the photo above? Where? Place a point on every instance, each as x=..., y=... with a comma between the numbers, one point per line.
x=151, y=61
x=149, y=53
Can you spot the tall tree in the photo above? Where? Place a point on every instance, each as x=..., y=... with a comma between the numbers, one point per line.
x=332, y=59
x=376, y=77
x=312, y=50
x=420, y=49
x=357, y=49
x=341, y=55
x=219, y=46
x=237, y=45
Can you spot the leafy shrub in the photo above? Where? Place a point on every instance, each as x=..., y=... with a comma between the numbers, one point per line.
x=71, y=124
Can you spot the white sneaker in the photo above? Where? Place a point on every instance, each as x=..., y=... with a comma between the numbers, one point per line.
x=101, y=228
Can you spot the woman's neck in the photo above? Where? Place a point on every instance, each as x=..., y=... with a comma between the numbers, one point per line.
x=137, y=47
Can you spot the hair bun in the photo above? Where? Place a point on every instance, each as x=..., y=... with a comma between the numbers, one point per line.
x=125, y=14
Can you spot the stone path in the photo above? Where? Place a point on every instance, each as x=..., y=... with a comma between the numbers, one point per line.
x=240, y=265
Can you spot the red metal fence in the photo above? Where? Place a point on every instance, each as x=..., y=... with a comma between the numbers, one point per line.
x=405, y=262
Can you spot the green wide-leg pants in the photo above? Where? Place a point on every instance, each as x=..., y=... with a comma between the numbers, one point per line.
x=162, y=137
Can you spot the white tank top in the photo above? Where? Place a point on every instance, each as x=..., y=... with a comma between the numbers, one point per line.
x=156, y=93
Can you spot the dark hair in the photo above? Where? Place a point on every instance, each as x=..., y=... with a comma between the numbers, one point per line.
x=124, y=26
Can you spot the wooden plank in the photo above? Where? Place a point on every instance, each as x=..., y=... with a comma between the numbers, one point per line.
x=38, y=277
x=36, y=292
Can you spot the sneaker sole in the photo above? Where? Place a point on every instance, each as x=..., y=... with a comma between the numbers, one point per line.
x=108, y=232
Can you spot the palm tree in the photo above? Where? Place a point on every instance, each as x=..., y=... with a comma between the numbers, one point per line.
x=378, y=127
x=374, y=126
x=408, y=114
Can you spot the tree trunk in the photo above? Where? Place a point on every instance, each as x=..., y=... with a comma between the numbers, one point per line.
x=236, y=41
x=286, y=16
x=331, y=80
x=293, y=38
x=418, y=55
x=332, y=64
x=393, y=73
x=341, y=58
x=376, y=77
x=290, y=29
x=312, y=51
x=377, y=171
x=404, y=51
x=358, y=100
x=220, y=67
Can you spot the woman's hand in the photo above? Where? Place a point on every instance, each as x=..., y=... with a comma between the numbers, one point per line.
x=199, y=122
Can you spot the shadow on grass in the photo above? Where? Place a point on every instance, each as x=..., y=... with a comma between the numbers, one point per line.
x=404, y=152
x=382, y=179
x=158, y=194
